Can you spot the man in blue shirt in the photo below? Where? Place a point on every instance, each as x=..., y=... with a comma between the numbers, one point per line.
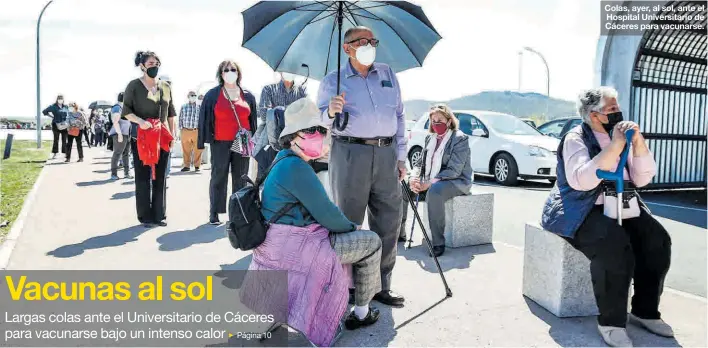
x=367, y=157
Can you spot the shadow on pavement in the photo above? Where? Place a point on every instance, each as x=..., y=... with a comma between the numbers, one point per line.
x=94, y=183
x=454, y=258
x=233, y=280
x=102, y=171
x=56, y=163
x=582, y=331
x=131, y=182
x=179, y=240
x=687, y=206
x=109, y=162
x=533, y=185
x=114, y=239
x=178, y=173
x=123, y=195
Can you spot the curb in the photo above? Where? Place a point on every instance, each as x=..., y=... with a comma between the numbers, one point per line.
x=8, y=245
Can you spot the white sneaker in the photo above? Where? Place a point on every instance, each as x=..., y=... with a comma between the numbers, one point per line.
x=655, y=326
x=615, y=336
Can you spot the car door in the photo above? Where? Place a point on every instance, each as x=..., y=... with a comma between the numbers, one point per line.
x=479, y=151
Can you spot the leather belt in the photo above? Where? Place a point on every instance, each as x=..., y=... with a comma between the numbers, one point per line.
x=378, y=142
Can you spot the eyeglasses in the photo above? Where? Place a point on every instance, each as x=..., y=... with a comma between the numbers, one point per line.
x=230, y=70
x=364, y=41
x=312, y=130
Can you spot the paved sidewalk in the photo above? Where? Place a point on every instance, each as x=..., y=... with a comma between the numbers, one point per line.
x=82, y=220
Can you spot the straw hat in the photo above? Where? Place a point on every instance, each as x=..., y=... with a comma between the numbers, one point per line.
x=301, y=114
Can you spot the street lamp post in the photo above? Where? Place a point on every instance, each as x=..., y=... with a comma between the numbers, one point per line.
x=548, y=75
x=39, y=106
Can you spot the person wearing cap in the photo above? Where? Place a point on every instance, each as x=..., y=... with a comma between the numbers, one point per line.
x=189, y=131
x=368, y=155
x=292, y=180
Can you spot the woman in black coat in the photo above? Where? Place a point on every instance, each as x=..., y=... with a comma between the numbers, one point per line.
x=59, y=113
x=225, y=110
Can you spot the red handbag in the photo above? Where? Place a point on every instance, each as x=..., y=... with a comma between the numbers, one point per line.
x=74, y=131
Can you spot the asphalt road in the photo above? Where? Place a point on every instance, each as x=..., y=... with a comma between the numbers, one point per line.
x=682, y=213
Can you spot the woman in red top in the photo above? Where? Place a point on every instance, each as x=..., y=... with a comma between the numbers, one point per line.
x=225, y=109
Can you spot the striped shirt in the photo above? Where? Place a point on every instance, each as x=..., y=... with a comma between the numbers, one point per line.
x=189, y=116
x=278, y=95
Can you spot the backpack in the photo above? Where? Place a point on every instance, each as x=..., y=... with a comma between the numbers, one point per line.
x=275, y=122
x=247, y=227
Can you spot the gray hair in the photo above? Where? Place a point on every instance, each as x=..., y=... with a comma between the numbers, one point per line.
x=353, y=31
x=593, y=100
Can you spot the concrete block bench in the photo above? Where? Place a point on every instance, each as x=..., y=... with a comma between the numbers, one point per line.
x=556, y=275
x=468, y=219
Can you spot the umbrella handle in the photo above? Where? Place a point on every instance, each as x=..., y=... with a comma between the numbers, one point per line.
x=338, y=123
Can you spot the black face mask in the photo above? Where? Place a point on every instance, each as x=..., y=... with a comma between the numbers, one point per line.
x=151, y=71
x=612, y=120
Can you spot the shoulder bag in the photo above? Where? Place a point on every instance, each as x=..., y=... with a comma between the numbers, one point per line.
x=243, y=143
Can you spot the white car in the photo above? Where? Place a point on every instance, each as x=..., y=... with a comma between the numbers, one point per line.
x=501, y=145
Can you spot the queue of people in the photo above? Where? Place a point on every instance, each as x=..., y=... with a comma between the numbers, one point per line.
x=365, y=164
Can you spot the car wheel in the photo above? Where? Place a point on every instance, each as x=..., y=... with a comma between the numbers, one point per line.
x=415, y=157
x=505, y=170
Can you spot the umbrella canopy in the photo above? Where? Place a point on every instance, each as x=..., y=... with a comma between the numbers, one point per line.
x=100, y=104
x=304, y=37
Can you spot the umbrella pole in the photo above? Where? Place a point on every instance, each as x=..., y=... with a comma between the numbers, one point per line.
x=338, y=123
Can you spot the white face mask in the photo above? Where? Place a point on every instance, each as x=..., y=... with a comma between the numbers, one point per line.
x=366, y=54
x=231, y=77
x=288, y=77
x=192, y=99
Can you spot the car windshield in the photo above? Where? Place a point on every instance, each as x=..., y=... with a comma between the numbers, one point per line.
x=507, y=124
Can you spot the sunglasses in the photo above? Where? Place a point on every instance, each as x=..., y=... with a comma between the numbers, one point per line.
x=312, y=130
x=364, y=42
x=230, y=70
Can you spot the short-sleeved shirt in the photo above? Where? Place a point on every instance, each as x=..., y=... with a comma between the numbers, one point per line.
x=145, y=104
x=123, y=123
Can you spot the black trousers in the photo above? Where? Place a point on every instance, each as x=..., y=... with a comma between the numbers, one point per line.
x=55, y=144
x=85, y=134
x=639, y=249
x=79, y=147
x=223, y=159
x=150, y=195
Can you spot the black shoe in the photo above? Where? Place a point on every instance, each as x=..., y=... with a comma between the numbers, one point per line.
x=351, y=297
x=353, y=322
x=438, y=251
x=185, y=169
x=390, y=298
x=162, y=223
x=66, y=160
x=214, y=220
x=196, y=169
x=402, y=239
x=80, y=160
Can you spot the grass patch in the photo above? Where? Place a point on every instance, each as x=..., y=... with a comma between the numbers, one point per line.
x=17, y=176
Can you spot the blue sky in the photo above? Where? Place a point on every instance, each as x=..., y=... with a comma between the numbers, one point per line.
x=88, y=47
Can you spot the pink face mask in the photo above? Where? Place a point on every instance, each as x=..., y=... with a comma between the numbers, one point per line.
x=312, y=144
x=439, y=127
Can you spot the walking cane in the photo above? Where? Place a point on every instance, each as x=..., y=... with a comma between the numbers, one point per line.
x=407, y=191
x=618, y=175
x=410, y=236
